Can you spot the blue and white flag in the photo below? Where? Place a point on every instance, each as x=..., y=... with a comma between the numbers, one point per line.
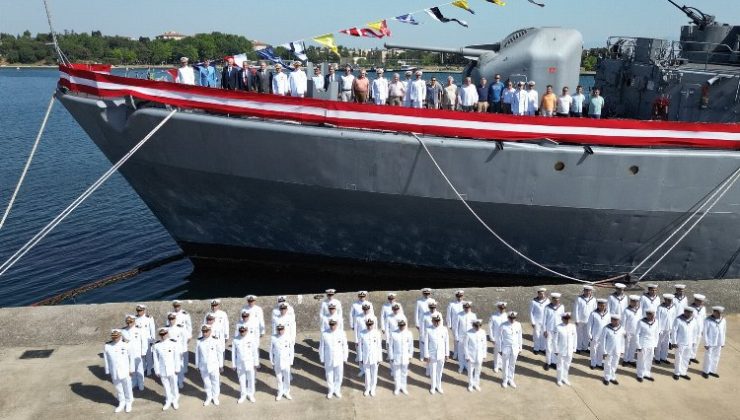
x=407, y=18
x=297, y=48
x=268, y=54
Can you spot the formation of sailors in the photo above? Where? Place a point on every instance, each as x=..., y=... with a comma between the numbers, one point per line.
x=636, y=330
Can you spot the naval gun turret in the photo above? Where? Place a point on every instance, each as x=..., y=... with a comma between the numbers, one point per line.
x=546, y=55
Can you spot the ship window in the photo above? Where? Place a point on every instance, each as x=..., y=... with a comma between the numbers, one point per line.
x=634, y=169
x=559, y=166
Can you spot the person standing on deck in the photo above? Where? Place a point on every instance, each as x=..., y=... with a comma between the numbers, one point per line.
x=597, y=321
x=400, y=354
x=454, y=308
x=346, y=82
x=379, y=88
x=550, y=322
x=618, y=300
x=333, y=353
x=495, y=95
x=647, y=335
x=715, y=332
x=482, y=89
x=585, y=304
x=361, y=88
x=510, y=339
x=185, y=74
x=230, y=75
x=467, y=96
x=473, y=351
x=612, y=342
x=536, y=315
x=119, y=365
x=520, y=100
x=566, y=340
x=280, y=85
x=534, y=98
x=208, y=360
x=263, y=79
x=167, y=360
x=548, y=103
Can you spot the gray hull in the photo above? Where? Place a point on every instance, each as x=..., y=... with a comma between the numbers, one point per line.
x=223, y=185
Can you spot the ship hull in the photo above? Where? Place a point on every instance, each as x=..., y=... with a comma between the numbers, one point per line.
x=235, y=189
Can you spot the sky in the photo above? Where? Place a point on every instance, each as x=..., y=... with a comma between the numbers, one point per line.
x=292, y=20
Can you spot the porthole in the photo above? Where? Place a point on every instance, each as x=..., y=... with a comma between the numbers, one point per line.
x=559, y=166
x=634, y=169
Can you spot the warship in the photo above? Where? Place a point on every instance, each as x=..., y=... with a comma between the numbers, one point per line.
x=238, y=177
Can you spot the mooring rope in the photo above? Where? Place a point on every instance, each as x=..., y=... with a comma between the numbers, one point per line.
x=79, y=200
x=28, y=162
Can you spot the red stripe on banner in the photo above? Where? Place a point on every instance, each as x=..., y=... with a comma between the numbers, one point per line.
x=454, y=124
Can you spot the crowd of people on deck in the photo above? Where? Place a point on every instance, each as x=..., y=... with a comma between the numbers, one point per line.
x=638, y=330
x=498, y=96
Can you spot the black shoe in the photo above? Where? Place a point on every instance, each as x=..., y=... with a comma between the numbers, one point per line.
x=634, y=364
x=578, y=352
x=705, y=375
x=686, y=377
x=605, y=382
x=665, y=361
x=650, y=378
x=592, y=368
x=554, y=366
x=693, y=361
x=601, y=367
x=625, y=363
x=657, y=362
x=614, y=381
x=675, y=377
x=714, y=375
x=546, y=367
x=639, y=379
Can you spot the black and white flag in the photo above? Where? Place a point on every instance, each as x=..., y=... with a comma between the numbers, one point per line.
x=297, y=49
x=435, y=14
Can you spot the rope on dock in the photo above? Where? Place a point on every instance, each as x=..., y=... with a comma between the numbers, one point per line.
x=105, y=281
x=28, y=162
x=79, y=200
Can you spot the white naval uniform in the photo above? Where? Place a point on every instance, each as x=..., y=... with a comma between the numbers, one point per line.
x=280, y=85
x=666, y=317
x=379, y=90
x=333, y=353
x=146, y=323
x=581, y=312
x=356, y=310
x=550, y=322
x=391, y=327
x=464, y=324
x=536, y=315
x=298, y=83
x=700, y=315
x=426, y=325
x=276, y=310
x=630, y=318
x=421, y=307
x=473, y=350
x=282, y=352
x=646, y=337
x=566, y=342
x=183, y=319
x=244, y=357
x=219, y=329
x=596, y=323
x=684, y=334
x=208, y=360
x=417, y=93
x=324, y=324
x=325, y=307
x=256, y=313
x=437, y=349
x=646, y=302
x=119, y=364
x=253, y=332
x=714, y=333
x=510, y=338
x=534, y=102
x=287, y=321
x=401, y=352
x=371, y=354
x=617, y=304
x=138, y=342
x=386, y=311
x=454, y=308
x=494, y=323
x=167, y=362
x=361, y=326
x=680, y=302
x=612, y=339
x=179, y=333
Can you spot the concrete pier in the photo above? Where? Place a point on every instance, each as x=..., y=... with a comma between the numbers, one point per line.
x=71, y=382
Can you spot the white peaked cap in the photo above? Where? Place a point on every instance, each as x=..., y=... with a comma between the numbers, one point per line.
x=620, y=286
x=601, y=300
x=634, y=297
x=680, y=286
x=588, y=287
x=667, y=296
x=718, y=308
x=555, y=295
x=699, y=297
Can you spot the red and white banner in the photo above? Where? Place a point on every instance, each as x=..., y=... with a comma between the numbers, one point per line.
x=631, y=133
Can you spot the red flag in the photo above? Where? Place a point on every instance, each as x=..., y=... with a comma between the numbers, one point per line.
x=173, y=74
x=377, y=29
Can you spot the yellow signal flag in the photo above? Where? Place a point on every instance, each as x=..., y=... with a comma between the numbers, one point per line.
x=328, y=41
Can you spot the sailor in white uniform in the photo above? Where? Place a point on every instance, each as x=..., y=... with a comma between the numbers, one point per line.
x=331, y=315
x=665, y=316
x=596, y=323
x=630, y=317
x=700, y=313
x=208, y=360
x=510, y=339
x=255, y=313
x=356, y=310
x=147, y=325
x=650, y=299
x=178, y=332
x=494, y=323
x=371, y=354
x=360, y=324
x=401, y=352
x=244, y=349
x=566, y=340
x=474, y=349
x=167, y=361
x=453, y=310
x=421, y=306
x=119, y=364
x=536, y=315
x=220, y=328
x=618, y=300
x=436, y=351
x=333, y=353
x=137, y=339
x=550, y=321
x=252, y=333
x=612, y=339
x=386, y=311
x=464, y=324
x=646, y=337
x=679, y=297
x=584, y=305
x=287, y=320
x=684, y=334
x=329, y=300
x=276, y=309
x=183, y=319
x=391, y=326
x=282, y=353
x=715, y=331
x=426, y=324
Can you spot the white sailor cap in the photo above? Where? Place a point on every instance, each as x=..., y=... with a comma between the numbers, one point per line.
x=565, y=315
x=467, y=304
x=184, y=59
x=245, y=312
x=280, y=327
x=542, y=289
x=432, y=303
x=129, y=316
x=244, y=327
x=210, y=316
x=251, y=298
x=215, y=302
x=205, y=328
x=176, y=303
x=513, y=314
x=531, y=83
x=478, y=322
x=391, y=295
x=689, y=308
x=588, y=287
x=620, y=286
x=283, y=306
x=667, y=296
x=171, y=315
x=395, y=306
x=332, y=322
x=332, y=306
x=409, y=72
x=634, y=297
x=366, y=305
x=362, y=293
x=697, y=296
x=555, y=295
x=616, y=316
x=369, y=321
x=418, y=73
x=652, y=286
x=718, y=308
x=501, y=303
x=426, y=290
x=163, y=331
x=650, y=309
x=281, y=298
x=115, y=332
x=680, y=286
x=520, y=83
x=459, y=293
x=601, y=300
x=140, y=307
x=331, y=291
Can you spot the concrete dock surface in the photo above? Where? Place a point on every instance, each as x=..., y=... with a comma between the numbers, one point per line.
x=71, y=382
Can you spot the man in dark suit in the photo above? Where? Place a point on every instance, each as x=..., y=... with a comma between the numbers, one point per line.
x=246, y=78
x=331, y=77
x=262, y=79
x=230, y=75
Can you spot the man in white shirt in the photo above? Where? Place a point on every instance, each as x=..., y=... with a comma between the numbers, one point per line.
x=244, y=357
x=280, y=85
x=646, y=337
x=564, y=103
x=119, y=365
x=356, y=309
x=318, y=79
x=324, y=311
x=396, y=91
x=536, y=315
x=596, y=323
x=684, y=334
x=474, y=349
x=550, y=322
x=256, y=313
x=298, y=81
x=332, y=316
x=379, y=88
x=510, y=339
x=618, y=300
x=386, y=312
x=665, y=317
x=630, y=317
x=565, y=345
x=507, y=96
x=333, y=353
x=680, y=299
x=185, y=73
x=612, y=342
x=453, y=310
x=650, y=299
x=220, y=325
x=176, y=331
x=467, y=95
x=422, y=306
x=520, y=100
x=209, y=361
x=584, y=305
x=700, y=313
x=417, y=91
x=437, y=351
x=407, y=88
x=464, y=324
x=497, y=319
x=282, y=354
x=576, y=108
x=370, y=351
x=534, y=98
x=401, y=352
x=715, y=332
x=345, y=85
